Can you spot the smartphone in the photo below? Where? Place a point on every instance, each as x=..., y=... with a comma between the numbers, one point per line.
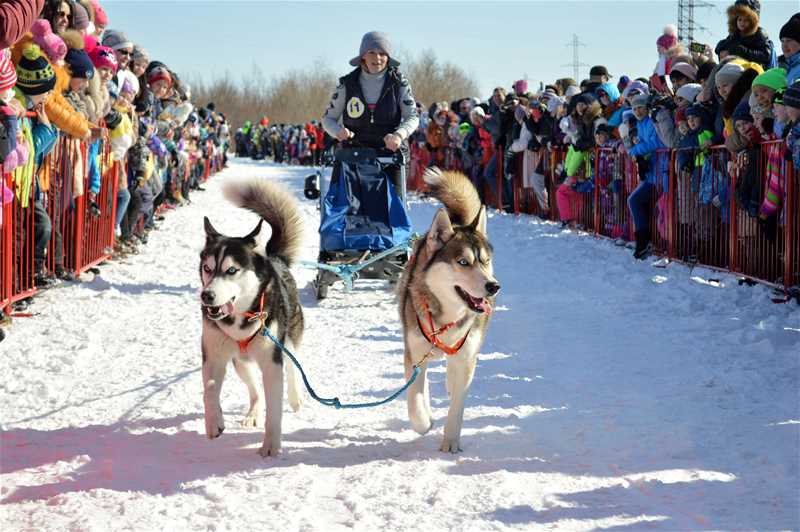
x=697, y=47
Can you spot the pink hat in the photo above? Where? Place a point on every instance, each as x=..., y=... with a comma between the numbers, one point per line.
x=50, y=43
x=8, y=75
x=89, y=43
x=100, y=17
x=670, y=37
x=104, y=57
x=520, y=86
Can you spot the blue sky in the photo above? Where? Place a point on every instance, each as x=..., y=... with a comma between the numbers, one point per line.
x=497, y=42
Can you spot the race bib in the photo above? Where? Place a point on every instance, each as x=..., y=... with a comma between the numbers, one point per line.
x=355, y=107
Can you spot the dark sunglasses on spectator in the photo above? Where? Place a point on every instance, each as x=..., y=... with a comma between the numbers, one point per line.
x=125, y=52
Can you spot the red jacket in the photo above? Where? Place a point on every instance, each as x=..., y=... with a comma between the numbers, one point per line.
x=16, y=18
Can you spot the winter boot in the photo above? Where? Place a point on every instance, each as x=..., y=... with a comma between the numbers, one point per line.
x=642, y=245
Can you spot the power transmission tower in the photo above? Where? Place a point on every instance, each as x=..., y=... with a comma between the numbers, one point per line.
x=687, y=25
x=576, y=60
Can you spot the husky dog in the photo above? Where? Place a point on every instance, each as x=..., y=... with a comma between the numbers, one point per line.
x=247, y=286
x=446, y=298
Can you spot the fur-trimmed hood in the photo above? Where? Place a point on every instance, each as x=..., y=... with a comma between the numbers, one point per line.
x=739, y=10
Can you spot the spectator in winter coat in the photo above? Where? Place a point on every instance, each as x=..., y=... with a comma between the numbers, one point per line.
x=609, y=97
x=766, y=85
x=645, y=146
x=35, y=83
x=791, y=101
x=733, y=83
x=745, y=38
x=16, y=18
x=790, y=45
x=670, y=52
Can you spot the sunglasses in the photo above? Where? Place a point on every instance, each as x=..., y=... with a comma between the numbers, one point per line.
x=125, y=52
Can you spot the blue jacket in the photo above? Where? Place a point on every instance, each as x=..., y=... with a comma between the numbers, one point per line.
x=792, y=68
x=94, y=169
x=649, y=143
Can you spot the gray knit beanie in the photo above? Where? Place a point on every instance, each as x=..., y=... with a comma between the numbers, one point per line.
x=729, y=74
x=375, y=40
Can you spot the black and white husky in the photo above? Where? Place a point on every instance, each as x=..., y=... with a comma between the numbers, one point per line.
x=247, y=285
x=446, y=298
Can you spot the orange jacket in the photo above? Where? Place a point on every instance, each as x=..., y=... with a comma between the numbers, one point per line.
x=58, y=109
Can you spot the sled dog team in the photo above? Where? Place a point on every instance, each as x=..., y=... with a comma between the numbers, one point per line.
x=446, y=295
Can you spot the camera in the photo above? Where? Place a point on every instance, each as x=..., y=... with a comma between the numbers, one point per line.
x=697, y=47
x=656, y=101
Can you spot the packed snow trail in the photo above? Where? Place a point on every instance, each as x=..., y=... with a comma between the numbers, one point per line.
x=609, y=395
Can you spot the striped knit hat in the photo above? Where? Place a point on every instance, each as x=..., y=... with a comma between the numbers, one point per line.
x=791, y=97
x=8, y=76
x=34, y=73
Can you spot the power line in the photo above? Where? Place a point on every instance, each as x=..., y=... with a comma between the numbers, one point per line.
x=687, y=25
x=576, y=60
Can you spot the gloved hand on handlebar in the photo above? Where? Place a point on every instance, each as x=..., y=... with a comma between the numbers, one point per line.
x=344, y=134
x=392, y=141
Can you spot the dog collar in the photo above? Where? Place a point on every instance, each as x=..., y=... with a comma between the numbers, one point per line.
x=432, y=334
x=253, y=316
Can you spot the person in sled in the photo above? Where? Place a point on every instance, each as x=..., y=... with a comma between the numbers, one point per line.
x=373, y=106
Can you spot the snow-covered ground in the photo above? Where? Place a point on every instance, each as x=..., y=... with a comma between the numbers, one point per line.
x=609, y=395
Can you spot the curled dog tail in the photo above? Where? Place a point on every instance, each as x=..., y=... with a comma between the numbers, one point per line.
x=276, y=206
x=456, y=192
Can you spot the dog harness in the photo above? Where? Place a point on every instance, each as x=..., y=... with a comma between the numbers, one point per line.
x=253, y=316
x=432, y=334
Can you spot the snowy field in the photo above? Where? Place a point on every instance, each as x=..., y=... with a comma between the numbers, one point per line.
x=609, y=395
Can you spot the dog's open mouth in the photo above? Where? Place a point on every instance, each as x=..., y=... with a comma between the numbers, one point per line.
x=478, y=304
x=219, y=312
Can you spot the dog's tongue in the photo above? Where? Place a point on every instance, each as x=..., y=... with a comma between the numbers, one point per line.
x=227, y=308
x=483, y=304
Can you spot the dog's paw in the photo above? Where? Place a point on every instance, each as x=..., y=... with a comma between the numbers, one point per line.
x=450, y=446
x=268, y=450
x=421, y=423
x=214, y=431
x=295, y=402
x=251, y=419
x=215, y=425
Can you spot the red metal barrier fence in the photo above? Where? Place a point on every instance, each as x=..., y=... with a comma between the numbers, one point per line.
x=696, y=217
x=82, y=236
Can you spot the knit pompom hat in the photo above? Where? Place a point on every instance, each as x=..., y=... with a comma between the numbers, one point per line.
x=100, y=17
x=669, y=38
x=52, y=45
x=34, y=73
x=8, y=76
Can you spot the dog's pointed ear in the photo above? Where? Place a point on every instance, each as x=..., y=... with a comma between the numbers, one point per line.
x=260, y=237
x=211, y=233
x=479, y=223
x=440, y=232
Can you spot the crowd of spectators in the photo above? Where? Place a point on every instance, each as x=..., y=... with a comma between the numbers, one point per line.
x=283, y=143
x=68, y=78
x=739, y=94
